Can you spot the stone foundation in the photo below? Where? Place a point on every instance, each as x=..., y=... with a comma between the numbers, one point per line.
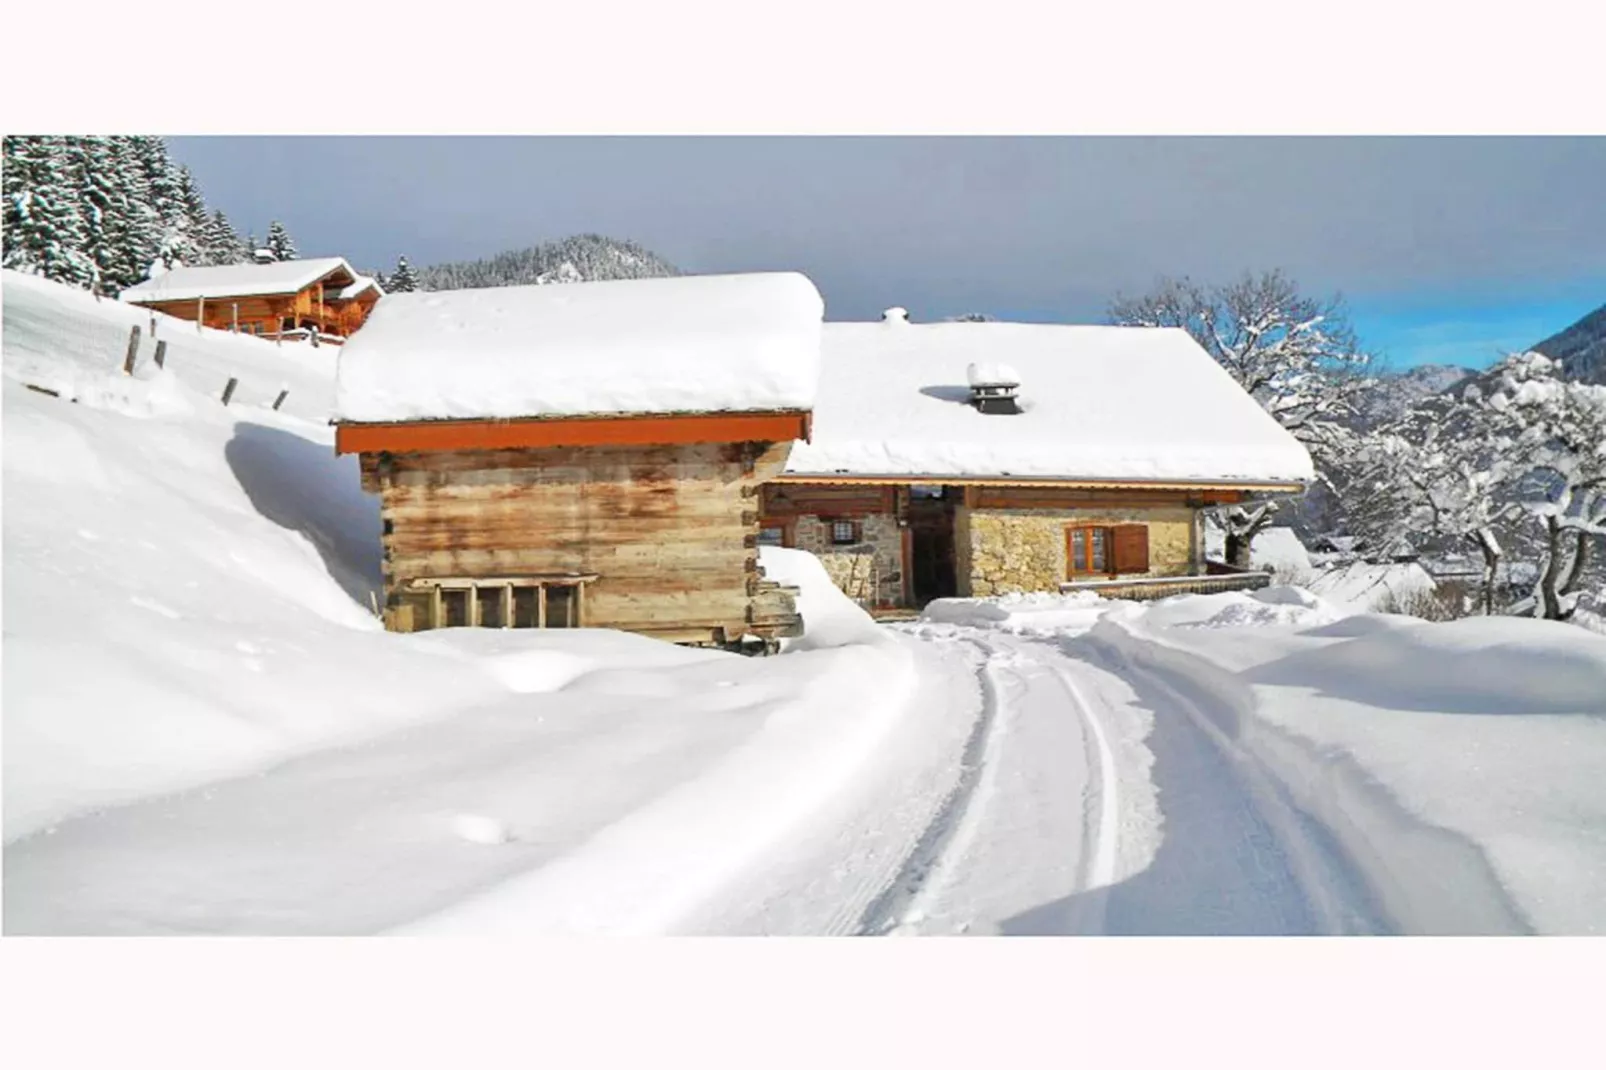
x=1011, y=551
x=870, y=571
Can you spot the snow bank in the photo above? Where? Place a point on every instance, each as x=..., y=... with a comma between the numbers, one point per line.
x=1271, y=607
x=830, y=618
x=1279, y=550
x=1455, y=763
x=1496, y=665
x=1098, y=402
x=1365, y=587
x=1021, y=613
x=715, y=343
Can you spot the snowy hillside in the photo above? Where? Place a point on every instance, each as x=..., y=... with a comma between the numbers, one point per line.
x=1581, y=348
x=1394, y=393
x=580, y=258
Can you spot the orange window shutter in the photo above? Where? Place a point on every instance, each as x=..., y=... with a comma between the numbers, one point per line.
x=1131, y=548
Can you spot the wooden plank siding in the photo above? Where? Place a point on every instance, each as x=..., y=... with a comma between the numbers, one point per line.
x=669, y=531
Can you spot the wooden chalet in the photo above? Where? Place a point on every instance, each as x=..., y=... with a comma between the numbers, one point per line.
x=589, y=454
x=321, y=299
x=978, y=459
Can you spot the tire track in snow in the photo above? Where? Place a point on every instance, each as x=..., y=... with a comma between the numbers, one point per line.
x=1305, y=858
x=1099, y=865
x=930, y=857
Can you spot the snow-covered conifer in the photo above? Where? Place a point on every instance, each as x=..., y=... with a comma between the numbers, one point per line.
x=402, y=280
x=279, y=242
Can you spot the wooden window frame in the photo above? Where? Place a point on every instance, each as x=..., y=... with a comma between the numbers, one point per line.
x=1075, y=568
x=784, y=527
x=855, y=528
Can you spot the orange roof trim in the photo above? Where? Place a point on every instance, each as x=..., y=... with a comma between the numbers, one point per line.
x=446, y=435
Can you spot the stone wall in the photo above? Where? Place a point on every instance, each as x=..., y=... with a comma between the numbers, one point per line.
x=871, y=571
x=1005, y=551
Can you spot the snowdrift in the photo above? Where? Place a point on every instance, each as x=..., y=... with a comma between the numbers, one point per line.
x=1380, y=728
x=1499, y=665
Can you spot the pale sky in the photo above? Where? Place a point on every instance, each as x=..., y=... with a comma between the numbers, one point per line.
x=1448, y=249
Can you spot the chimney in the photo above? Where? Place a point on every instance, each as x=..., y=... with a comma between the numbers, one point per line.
x=895, y=315
x=265, y=256
x=994, y=388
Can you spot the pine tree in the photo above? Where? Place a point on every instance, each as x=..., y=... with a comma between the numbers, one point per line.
x=43, y=230
x=191, y=245
x=279, y=242
x=111, y=215
x=145, y=225
x=220, y=244
x=402, y=280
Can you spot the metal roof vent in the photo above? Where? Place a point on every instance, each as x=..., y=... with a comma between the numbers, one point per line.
x=994, y=388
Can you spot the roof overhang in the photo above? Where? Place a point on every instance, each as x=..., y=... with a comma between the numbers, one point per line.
x=422, y=436
x=1072, y=482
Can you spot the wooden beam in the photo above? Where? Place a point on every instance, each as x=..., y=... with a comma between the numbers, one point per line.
x=540, y=607
x=529, y=433
x=507, y=605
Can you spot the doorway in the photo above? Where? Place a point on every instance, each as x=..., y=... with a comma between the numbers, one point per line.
x=932, y=568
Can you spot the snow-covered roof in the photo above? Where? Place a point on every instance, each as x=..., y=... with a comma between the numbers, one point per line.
x=1098, y=403
x=363, y=283
x=695, y=343
x=235, y=280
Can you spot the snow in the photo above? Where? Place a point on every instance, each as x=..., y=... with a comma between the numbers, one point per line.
x=1366, y=586
x=235, y=280
x=1279, y=550
x=1453, y=762
x=830, y=618
x=1099, y=403
x=992, y=374
x=362, y=283
x=713, y=343
x=207, y=731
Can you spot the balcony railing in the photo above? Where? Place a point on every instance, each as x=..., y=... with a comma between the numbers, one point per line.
x=1219, y=578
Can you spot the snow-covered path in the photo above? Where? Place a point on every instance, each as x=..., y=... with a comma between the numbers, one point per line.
x=1099, y=801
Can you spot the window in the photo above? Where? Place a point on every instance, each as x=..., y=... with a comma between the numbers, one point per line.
x=1088, y=550
x=844, y=532
x=1109, y=551
x=772, y=536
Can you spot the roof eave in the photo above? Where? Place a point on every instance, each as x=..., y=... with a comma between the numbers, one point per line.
x=1270, y=486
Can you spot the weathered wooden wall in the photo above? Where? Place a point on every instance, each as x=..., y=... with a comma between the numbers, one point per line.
x=671, y=531
x=268, y=313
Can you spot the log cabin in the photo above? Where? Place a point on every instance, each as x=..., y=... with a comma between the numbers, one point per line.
x=588, y=454
x=978, y=459
x=322, y=299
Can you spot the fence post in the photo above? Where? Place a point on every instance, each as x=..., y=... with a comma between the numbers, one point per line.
x=161, y=353
x=228, y=391
x=133, y=350
x=280, y=399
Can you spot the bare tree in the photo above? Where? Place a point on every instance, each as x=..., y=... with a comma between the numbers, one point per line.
x=1295, y=355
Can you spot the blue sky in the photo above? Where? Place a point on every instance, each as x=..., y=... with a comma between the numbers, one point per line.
x=1446, y=249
